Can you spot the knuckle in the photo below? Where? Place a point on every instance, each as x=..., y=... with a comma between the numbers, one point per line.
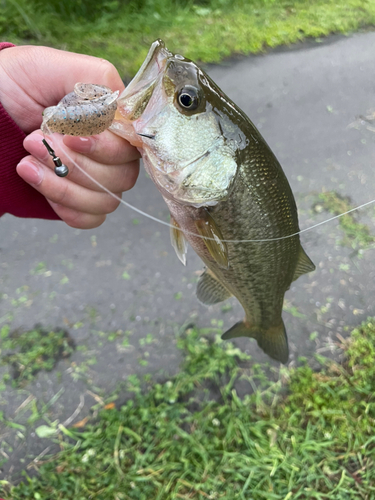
x=132, y=172
x=119, y=152
x=97, y=222
x=79, y=220
x=108, y=70
x=61, y=196
x=115, y=150
x=74, y=221
x=112, y=203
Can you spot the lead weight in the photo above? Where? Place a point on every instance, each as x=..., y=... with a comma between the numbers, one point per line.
x=61, y=170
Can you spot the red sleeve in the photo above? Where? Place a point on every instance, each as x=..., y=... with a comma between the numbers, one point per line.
x=16, y=196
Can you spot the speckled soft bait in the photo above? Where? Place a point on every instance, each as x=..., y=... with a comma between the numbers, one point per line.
x=88, y=110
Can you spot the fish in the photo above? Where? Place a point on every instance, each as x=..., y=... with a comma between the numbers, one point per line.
x=227, y=194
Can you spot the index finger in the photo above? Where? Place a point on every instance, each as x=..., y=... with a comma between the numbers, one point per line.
x=106, y=148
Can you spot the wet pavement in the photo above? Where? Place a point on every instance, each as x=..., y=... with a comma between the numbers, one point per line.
x=121, y=293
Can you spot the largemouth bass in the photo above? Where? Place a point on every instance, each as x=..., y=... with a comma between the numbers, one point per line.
x=223, y=186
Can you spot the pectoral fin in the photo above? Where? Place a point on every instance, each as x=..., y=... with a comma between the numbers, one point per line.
x=178, y=241
x=210, y=290
x=304, y=264
x=213, y=239
x=273, y=341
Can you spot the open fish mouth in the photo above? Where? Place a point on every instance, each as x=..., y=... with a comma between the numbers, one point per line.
x=134, y=99
x=154, y=63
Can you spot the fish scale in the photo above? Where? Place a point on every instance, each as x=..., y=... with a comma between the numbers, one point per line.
x=258, y=271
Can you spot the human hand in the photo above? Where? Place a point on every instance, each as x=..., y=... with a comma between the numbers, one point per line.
x=33, y=78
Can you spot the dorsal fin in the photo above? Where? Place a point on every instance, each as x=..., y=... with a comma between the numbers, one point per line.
x=304, y=264
x=210, y=290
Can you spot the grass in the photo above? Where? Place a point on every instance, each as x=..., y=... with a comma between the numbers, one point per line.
x=29, y=352
x=123, y=31
x=306, y=435
x=356, y=234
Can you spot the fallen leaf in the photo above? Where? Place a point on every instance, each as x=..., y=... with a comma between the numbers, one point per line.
x=110, y=406
x=81, y=423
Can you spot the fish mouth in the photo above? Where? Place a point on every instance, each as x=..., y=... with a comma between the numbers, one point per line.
x=134, y=99
x=153, y=64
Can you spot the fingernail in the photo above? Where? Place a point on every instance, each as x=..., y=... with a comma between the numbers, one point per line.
x=34, y=145
x=30, y=172
x=79, y=144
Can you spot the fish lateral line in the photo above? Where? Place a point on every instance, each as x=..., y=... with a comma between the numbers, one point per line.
x=197, y=235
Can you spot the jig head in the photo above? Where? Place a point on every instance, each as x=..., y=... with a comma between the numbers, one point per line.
x=60, y=169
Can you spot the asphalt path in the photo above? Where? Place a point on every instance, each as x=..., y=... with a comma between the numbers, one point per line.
x=120, y=291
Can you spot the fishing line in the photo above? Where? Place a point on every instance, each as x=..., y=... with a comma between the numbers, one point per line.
x=155, y=219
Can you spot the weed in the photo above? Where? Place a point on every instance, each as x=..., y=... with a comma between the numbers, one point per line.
x=123, y=31
x=357, y=235
x=306, y=435
x=29, y=352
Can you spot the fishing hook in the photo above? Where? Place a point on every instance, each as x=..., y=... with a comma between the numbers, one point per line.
x=60, y=169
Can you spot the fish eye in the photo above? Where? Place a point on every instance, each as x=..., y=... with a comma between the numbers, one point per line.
x=188, y=98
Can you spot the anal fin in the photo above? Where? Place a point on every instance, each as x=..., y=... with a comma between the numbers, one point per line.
x=304, y=264
x=272, y=341
x=178, y=241
x=210, y=290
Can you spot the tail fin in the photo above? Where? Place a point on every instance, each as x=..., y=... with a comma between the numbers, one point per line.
x=273, y=341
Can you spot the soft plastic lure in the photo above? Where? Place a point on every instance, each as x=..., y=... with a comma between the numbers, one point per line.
x=88, y=110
